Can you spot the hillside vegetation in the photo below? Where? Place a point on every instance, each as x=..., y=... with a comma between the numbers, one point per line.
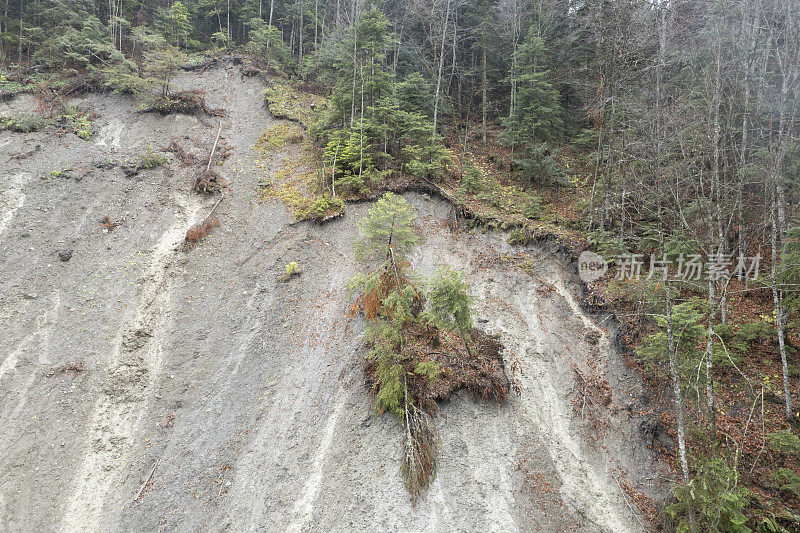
x=663, y=137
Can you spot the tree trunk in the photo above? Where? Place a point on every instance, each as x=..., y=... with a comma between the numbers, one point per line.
x=712, y=415
x=484, y=101
x=355, y=68
x=271, y=7
x=779, y=323
x=300, y=35
x=676, y=390
x=441, y=66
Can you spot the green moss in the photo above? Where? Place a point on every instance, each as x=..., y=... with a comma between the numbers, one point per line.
x=278, y=136
x=285, y=102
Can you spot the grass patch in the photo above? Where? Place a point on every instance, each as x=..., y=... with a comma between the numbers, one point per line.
x=297, y=182
x=287, y=103
x=78, y=122
x=150, y=159
x=58, y=173
x=278, y=136
x=25, y=123
x=12, y=86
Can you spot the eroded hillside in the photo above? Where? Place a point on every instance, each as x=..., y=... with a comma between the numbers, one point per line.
x=226, y=400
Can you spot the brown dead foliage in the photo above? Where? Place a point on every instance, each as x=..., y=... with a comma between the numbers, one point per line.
x=536, y=481
x=200, y=231
x=643, y=502
x=186, y=102
x=72, y=367
x=224, y=151
x=594, y=396
x=48, y=101
x=109, y=224
x=483, y=374
x=370, y=303
x=187, y=158
x=209, y=182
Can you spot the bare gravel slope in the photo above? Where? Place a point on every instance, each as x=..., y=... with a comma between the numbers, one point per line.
x=247, y=392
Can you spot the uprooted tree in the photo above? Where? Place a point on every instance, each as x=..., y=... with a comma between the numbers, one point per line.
x=417, y=357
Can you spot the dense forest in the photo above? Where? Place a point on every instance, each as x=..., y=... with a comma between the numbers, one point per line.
x=663, y=135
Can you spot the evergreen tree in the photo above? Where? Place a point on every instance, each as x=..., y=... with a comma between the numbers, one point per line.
x=266, y=42
x=450, y=305
x=537, y=115
x=175, y=24
x=387, y=233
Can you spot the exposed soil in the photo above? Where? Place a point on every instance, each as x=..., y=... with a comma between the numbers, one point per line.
x=248, y=394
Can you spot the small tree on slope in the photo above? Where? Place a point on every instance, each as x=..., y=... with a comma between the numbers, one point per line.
x=450, y=303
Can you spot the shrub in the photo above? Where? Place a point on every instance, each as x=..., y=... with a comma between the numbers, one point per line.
x=351, y=183
x=472, y=180
x=431, y=369
x=607, y=244
x=78, y=122
x=784, y=442
x=713, y=497
x=689, y=334
x=200, y=231
x=449, y=301
x=266, y=42
x=532, y=208
x=351, y=153
x=757, y=330
x=388, y=228
x=10, y=85
x=25, y=123
x=150, y=159
x=185, y=102
x=290, y=270
x=770, y=524
x=518, y=237
x=325, y=207
x=787, y=480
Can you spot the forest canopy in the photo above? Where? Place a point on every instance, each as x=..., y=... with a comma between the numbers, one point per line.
x=640, y=129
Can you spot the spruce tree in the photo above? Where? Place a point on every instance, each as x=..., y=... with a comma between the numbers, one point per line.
x=387, y=233
x=449, y=303
x=537, y=116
